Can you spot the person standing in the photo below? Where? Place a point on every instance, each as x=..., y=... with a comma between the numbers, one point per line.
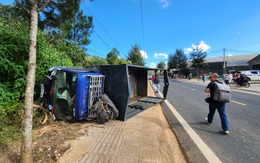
x=235, y=77
x=190, y=76
x=153, y=79
x=203, y=77
x=230, y=81
x=225, y=77
x=213, y=105
x=157, y=83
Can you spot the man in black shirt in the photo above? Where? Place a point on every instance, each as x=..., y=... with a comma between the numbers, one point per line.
x=213, y=105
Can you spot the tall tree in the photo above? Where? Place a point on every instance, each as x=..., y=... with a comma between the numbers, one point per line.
x=112, y=56
x=61, y=19
x=198, y=56
x=26, y=148
x=135, y=56
x=178, y=60
x=161, y=65
x=78, y=29
x=35, y=6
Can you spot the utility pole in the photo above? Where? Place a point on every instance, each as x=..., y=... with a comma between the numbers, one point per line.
x=224, y=60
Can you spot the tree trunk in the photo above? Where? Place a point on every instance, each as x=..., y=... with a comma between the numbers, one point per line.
x=26, y=148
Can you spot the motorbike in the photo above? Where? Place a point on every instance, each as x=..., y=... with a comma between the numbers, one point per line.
x=245, y=83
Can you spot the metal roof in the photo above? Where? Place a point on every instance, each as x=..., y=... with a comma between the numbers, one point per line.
x=237, y=60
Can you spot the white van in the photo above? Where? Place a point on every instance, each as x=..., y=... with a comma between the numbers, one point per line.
x=252, y=74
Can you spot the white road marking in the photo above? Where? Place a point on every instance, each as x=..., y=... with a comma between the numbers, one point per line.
x=184, y=86
x=206, y=151
x=193, y=89
x=239, y=103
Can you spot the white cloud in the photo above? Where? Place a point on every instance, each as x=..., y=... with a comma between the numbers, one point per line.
x=230, y=55
x=144, y=54
x=153, y=65
x=161, y=55
x=187, y=50
x=165, y=3
x=202, y=45
x=166, y=64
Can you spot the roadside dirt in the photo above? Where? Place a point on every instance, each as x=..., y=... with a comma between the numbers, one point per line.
x=50, y=142
x=65, y=142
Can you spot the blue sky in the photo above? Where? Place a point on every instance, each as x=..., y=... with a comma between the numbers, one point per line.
x=171, y=24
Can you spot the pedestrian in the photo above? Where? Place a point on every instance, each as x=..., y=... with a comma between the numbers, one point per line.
x=235, y=77
x=230, y=81
x=190, y=76
x=203, y=77
x=157, y=83
x=213, y=105
x=226, y=78
x=153, y=79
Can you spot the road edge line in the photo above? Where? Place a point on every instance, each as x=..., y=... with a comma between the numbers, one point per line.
x=205, y=150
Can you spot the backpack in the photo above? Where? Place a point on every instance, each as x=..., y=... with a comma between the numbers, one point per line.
x=222, y=92
x=156, y=80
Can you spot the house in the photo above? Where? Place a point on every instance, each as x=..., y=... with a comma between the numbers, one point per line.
x=237, y=62
x=254, y=63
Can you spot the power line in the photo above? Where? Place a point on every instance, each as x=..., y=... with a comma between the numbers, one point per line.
x=216, y=51
x=99, y=47
x=254, y=43
x=142, y=22
x=102, y=39
x=96, y=53
x=102, y=27
x=243, y=51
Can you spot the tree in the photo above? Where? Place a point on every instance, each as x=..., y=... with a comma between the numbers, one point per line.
x=122, y=61
x=135, y=56
x=78, y=29
x=75, y=52
x=198, y=55
x=94, y=61
x=161, y=65
x=26, y=147
x=178, y=60
x=112, y=56
x=62, y=19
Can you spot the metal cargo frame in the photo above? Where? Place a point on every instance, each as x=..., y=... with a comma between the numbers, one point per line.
x=127, y=86
x=96, y=88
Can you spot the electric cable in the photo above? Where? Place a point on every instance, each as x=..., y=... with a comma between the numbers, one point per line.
x=102, y=27
x=258, y=42
x=102, y=39
x=142, y=20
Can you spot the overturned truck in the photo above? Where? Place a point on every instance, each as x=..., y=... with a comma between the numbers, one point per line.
x=98, y=93
x=73, y=94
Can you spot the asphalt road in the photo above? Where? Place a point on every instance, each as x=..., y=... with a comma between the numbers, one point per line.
x=243, y=142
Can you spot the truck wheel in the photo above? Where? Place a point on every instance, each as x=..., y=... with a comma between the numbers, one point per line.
x=40, y=114
x=102, y=117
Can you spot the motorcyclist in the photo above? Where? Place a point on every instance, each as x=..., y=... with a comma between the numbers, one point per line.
x=242, y=78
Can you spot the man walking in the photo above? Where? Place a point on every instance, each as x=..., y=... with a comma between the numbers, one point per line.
x=213, y=105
